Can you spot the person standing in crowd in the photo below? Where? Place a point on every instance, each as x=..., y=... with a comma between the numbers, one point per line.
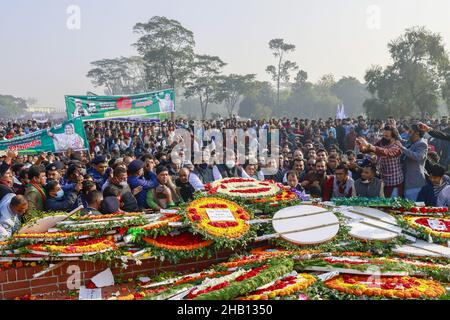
x=388, y=150
x=6, y=174
x=99, y=171
x=10, y=215
x=292, y=181
x=54, y=171
x=135, y=180
x=430, y=192
x=35, y=192
x=164, y=196
x=94, y=201
x=318, y=182
x=57, y=199
x=416, y=155
x=368, y=186
x=184, y=187
x=343, y=185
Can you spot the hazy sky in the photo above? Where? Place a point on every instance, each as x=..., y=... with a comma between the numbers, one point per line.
x=40, y=57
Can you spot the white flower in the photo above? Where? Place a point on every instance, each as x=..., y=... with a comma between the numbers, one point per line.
x=124, y=266
x=138, y=262
x=124, y=259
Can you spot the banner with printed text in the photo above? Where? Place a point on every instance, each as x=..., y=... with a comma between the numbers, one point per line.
x=69, y=135
x=91, y=108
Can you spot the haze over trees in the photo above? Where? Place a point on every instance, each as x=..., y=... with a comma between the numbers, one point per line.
x=416, y=83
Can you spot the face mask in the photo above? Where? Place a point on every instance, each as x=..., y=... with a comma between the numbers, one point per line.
x=123, y=184
x=231, y=164
x=83, y=171
x=60, y=194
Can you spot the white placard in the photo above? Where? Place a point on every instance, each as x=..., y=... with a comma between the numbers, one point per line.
x=437, y=225
x=168, y=211
x=220, y=215
x=90, y=294
x=104, y=279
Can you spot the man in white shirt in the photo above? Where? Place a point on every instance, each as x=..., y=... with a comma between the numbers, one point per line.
x=10, y=213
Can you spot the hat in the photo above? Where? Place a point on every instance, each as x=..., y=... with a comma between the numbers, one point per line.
x=55, y=166
x=110, y=205
x=135, y=166
x=99, y=159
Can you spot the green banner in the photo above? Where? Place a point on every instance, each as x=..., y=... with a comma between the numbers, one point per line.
x=90, y=108
x=69, y=135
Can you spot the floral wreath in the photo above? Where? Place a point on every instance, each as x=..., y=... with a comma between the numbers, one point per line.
x=390, y=287
x=283, y=287
x=241, y=282
x=77, y=248
x=423, y=224
x=243, y=188
x=235, y=229
x=184, y=245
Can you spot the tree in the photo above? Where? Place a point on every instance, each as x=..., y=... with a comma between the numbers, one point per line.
x=300, y=80
x=258, y=101
x=352, y=93
x=119, y=76
x=204, y=81
x=231, y=88
x=281, y=71
x=416, y=80
x=167, y=49
x=11, y=106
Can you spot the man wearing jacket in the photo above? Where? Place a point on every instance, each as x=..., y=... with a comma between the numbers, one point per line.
x=430, y=192
x=415, y=156
x=135, y=173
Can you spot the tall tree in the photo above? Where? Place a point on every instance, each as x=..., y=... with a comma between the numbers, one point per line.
x=281, y=71
x=231, y=89
x=119, y=76
x=167, y=49
x=204, y=81
x=416, y=80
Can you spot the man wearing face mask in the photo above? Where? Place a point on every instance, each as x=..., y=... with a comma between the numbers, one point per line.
x=11, y=213
x=368, y=186
x=57, y=199
x=388, y=150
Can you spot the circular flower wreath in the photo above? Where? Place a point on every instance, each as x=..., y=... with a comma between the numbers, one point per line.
x=197, y=213
x=184, y=245
x=285, y=195
x=283, y=287
x=389, y=287
x=426, y=225
x=243, y=188
x=182, y=242
x=77, y=248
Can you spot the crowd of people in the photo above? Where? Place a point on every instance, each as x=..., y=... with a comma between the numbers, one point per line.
x=130, y=166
